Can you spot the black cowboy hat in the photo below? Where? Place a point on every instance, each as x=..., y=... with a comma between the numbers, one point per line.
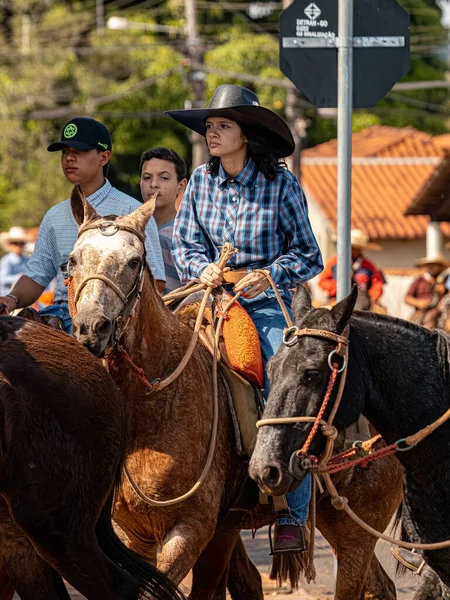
x=241, y=105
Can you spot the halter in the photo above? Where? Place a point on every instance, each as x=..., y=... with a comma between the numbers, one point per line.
x=291, y=336
x=108, y=229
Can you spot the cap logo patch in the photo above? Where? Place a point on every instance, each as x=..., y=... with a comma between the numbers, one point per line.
x=105, y=146
x=70, y=130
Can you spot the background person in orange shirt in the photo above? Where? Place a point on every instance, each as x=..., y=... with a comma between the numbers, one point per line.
x=365, y=274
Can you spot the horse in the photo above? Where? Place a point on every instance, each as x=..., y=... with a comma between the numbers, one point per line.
x=118, y=313
x=63, y=433
x=398, y=376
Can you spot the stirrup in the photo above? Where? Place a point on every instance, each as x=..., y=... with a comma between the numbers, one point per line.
x=301, y=531
x=409, y=559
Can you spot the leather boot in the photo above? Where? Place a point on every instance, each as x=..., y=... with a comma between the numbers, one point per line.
x=409, y=558
x=289, y=538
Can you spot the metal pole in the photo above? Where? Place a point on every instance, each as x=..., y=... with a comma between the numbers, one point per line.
x=292, y=113
x=344, y=174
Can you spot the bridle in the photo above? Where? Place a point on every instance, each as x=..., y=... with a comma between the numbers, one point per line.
x=129, y=300
x=291, y=337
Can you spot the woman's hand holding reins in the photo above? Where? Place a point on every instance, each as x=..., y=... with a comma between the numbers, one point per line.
x=254, y=284
x=212, y=275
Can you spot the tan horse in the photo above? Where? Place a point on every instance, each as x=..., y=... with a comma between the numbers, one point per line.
x=171, y=428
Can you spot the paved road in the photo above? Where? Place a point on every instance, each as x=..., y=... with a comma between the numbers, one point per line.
x=323, y=589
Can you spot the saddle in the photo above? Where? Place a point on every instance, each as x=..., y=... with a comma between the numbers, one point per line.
x=239, y=356
x=33, y=315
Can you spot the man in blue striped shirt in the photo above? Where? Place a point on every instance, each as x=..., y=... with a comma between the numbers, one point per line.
x=85, y=153
x=162, y=170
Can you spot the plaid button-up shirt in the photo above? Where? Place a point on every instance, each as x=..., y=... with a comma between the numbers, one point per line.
x=266, y=221
x=58, y=233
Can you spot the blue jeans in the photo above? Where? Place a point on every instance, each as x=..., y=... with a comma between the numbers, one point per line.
x=59, y=310
x=268, y=318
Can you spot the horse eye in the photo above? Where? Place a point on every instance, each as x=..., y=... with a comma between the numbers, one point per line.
x=134, y=263
x=310, y=374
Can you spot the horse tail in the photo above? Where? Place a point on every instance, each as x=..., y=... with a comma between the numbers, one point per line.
x=153, y=583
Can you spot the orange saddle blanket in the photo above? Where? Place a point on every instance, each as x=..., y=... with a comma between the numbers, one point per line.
x=241, y=347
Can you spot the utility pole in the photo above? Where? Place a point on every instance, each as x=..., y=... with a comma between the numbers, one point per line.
x=100, y=14
x=197, y=76
x=294, y=121
x=26, y=31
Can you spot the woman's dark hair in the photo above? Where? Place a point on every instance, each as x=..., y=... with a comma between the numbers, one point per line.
x=261, y=149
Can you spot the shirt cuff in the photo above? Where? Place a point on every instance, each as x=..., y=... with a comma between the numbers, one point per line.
x=279, y=275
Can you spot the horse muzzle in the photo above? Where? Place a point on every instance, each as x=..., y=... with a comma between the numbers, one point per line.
x=94, y=332
x=271, y=479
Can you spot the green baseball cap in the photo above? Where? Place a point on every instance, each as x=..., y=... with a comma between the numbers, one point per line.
x=83, y=133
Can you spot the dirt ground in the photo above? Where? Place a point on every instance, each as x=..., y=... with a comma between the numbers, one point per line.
x=323, y=589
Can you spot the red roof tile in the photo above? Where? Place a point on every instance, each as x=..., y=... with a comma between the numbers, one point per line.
x=390, y=168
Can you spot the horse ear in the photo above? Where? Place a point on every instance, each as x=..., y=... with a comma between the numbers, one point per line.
x=343, y=309
x=139, y=218
x=82, y=211
x=301, y=303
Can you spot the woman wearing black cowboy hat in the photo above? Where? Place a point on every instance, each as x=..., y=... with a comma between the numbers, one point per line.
x=245, y=195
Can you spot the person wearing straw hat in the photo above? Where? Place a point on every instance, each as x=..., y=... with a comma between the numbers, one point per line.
x=245, y=195
x=13, y=264
x=365, y=274
x=424, y=293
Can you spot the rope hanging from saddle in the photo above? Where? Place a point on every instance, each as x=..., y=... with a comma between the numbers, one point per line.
x=328, y=465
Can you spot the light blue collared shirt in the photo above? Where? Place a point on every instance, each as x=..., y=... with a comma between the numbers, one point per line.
x=58, y=233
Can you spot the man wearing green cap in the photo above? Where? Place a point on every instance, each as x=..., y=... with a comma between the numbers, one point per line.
x=85, y=147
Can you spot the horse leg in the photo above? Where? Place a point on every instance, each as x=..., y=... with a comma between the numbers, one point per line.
x=89, y=570
x=6, y=587
x=78, y=558
x=352, y=546
x=244, y=579
x=147, y=548
x=379, y=586
x=22, y=568
x=181, y=548
x=210, y=572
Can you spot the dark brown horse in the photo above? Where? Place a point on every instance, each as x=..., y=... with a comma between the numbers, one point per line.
x=63, y=433
x=171, y=429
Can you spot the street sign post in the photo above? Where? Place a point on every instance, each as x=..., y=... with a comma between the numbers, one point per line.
x=344, y=54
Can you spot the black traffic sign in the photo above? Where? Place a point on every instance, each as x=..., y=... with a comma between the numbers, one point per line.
x=309, y=41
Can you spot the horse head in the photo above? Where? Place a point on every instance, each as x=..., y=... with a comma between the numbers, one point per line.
x=299, y=375
x=106, y=269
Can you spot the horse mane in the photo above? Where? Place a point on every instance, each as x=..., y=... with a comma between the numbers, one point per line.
x=441, y=338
